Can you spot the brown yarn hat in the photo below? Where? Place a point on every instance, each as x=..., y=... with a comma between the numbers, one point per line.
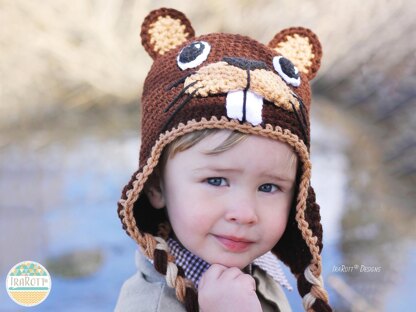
x=224, y=81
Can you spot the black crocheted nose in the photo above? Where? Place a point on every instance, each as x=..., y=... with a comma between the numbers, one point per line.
x=244, y=63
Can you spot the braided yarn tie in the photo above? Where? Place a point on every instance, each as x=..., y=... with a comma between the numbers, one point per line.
x=171, y=274
x=312, y=278
x=172, y=278
x=317, y=290
x=308, y=300
x=181, y=288
x=148, y=242
x=161, y=244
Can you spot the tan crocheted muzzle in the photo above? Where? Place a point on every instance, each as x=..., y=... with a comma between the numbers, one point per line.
x=223, y=81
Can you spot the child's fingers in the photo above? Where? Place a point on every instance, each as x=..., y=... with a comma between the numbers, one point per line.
x=212, y=274
x=219, y=273
x=227, y=289
x=246, y=279
x=231, y=273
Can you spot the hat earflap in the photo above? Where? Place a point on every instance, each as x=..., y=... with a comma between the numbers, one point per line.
x=154, y=246
x=300, y=249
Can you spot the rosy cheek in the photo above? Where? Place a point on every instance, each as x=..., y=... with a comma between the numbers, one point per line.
x=281, y=228
x=183, y=216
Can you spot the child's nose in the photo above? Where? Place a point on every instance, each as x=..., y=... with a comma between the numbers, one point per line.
x=242, y=211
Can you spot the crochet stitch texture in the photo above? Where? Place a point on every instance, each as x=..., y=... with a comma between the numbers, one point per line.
x=227, y=81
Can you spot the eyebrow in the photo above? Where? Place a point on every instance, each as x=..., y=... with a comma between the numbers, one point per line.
x=277, y=177
x=217, y=169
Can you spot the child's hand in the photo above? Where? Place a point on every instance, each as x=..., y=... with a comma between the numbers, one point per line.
x=227, y=289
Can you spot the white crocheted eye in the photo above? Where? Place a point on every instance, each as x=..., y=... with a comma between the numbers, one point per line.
x=287, y=70
x=193, y=55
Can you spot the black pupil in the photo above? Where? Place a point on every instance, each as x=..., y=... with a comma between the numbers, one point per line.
x=288, y=68
x=191, y=52
x=266, y=187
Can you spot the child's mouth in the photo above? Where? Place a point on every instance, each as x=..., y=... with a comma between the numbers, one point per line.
x=234, y=244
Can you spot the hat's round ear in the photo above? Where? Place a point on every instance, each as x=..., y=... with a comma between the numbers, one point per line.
x=164, y=29
x=301, y=46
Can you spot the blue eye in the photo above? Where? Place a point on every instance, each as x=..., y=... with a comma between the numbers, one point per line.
x=268, y=188
x=217, y=181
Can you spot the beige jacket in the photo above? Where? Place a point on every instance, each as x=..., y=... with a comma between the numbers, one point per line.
x=147, y=291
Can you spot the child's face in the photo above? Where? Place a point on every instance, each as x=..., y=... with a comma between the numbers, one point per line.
x=232, y=207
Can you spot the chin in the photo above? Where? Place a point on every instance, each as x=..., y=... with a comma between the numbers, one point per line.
x=229, y=263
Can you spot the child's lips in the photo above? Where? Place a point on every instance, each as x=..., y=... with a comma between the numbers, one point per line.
x=235, y=244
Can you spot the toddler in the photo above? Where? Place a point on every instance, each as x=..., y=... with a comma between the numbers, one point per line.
x=223, y=184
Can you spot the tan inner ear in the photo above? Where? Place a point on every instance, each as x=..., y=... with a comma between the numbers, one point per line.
x=167, y=33
x=299, y=50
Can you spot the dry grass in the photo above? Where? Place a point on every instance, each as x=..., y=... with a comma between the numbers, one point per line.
x=86, y=52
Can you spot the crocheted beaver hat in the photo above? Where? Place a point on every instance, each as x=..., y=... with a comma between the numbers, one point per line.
x=225, y=81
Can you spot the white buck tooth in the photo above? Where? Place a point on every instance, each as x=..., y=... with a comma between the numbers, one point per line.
x=234, y=104
x=254, y=106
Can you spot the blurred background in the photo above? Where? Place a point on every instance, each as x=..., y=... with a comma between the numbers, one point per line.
x=71, y=78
